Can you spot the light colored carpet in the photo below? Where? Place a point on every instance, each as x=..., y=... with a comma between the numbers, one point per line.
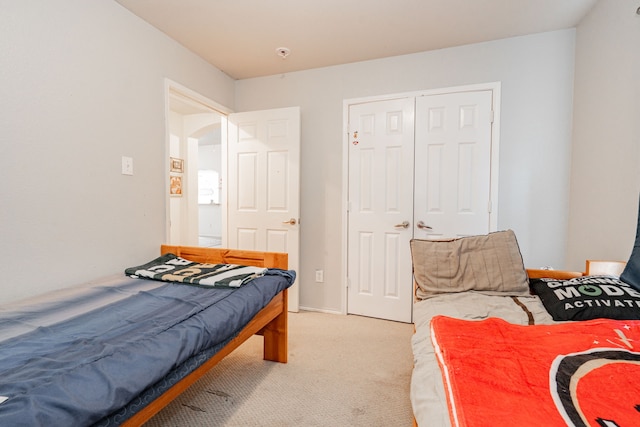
x=342, y=371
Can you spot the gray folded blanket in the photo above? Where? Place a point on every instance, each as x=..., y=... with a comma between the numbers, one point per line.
x=172, y=268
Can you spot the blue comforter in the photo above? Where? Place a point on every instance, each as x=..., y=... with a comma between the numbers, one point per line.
x=79, y=370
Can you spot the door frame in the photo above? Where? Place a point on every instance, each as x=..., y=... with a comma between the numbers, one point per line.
x=495, y=87
x=175, y=89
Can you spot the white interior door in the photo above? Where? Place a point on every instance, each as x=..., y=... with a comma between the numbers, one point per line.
x=263, y=169
x=380, y=217
x=453, y=164
x=431, y=170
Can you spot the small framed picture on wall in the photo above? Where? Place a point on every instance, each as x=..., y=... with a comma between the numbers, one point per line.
x=176, y=165
x=175, y=186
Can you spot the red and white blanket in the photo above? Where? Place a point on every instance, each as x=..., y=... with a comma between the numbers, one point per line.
x=577, y=374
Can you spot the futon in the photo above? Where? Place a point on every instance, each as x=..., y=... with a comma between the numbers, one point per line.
x=496, y=344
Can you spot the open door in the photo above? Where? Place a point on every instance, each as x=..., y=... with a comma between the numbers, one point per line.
x=263, y=188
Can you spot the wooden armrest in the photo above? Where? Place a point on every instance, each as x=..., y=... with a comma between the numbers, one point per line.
x=552, y=274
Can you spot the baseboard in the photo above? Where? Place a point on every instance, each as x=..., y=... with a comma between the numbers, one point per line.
x=319, y=310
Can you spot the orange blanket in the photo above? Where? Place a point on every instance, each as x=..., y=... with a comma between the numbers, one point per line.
x=580, y=373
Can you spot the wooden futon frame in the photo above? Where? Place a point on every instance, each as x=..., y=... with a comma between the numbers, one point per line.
x=270, y=322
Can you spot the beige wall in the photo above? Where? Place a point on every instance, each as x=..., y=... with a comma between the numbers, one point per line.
x=536, y=73
x=81, y=85
x=605, y=177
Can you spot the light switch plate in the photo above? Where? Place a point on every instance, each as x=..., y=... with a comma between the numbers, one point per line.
x=127, y=165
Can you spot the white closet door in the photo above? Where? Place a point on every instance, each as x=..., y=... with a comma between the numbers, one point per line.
x=453, y=164
x=381, y=208
x=425, y=175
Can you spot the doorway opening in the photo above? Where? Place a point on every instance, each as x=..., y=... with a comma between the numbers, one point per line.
x=222, y=168
x=196, y=207
x=210, y=186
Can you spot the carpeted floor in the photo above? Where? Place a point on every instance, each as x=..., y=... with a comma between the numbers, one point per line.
x=342, y=371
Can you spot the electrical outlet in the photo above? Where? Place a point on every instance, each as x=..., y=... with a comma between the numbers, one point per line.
x=319, y=276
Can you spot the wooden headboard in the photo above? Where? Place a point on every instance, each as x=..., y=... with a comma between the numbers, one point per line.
x=229, y=256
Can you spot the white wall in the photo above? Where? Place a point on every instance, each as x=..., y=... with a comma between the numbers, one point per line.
x=81, y=85
x=536, y=73
x=606, y=144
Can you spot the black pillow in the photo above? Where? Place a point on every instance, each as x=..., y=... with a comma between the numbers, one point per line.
x=588, y=297
x=631, y=273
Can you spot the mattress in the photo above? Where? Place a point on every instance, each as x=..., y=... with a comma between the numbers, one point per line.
x=428, y=396
x=80, y=355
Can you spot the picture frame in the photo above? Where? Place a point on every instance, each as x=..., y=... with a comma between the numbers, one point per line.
x=176, y=165
x=175, y=186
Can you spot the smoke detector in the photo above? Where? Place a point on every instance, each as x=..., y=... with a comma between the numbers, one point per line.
x=283, y=52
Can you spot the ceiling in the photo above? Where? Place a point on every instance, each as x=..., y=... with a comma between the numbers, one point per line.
x=241, y=37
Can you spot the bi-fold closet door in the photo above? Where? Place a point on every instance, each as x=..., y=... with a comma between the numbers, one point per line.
x=419, y=167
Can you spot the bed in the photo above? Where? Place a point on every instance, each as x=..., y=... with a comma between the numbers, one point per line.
x=115, y=351
x=496, y=344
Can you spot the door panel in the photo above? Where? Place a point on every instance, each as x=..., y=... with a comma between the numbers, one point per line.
x=453, y=140
x=264, y=184
x=381, y=200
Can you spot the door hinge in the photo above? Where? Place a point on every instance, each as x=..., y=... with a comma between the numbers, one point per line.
x=489, y=206
x=491, y=116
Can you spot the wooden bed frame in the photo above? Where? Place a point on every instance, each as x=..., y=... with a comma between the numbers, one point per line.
x=270, y=322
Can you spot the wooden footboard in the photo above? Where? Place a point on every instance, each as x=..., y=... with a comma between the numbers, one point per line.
x=270, y=322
